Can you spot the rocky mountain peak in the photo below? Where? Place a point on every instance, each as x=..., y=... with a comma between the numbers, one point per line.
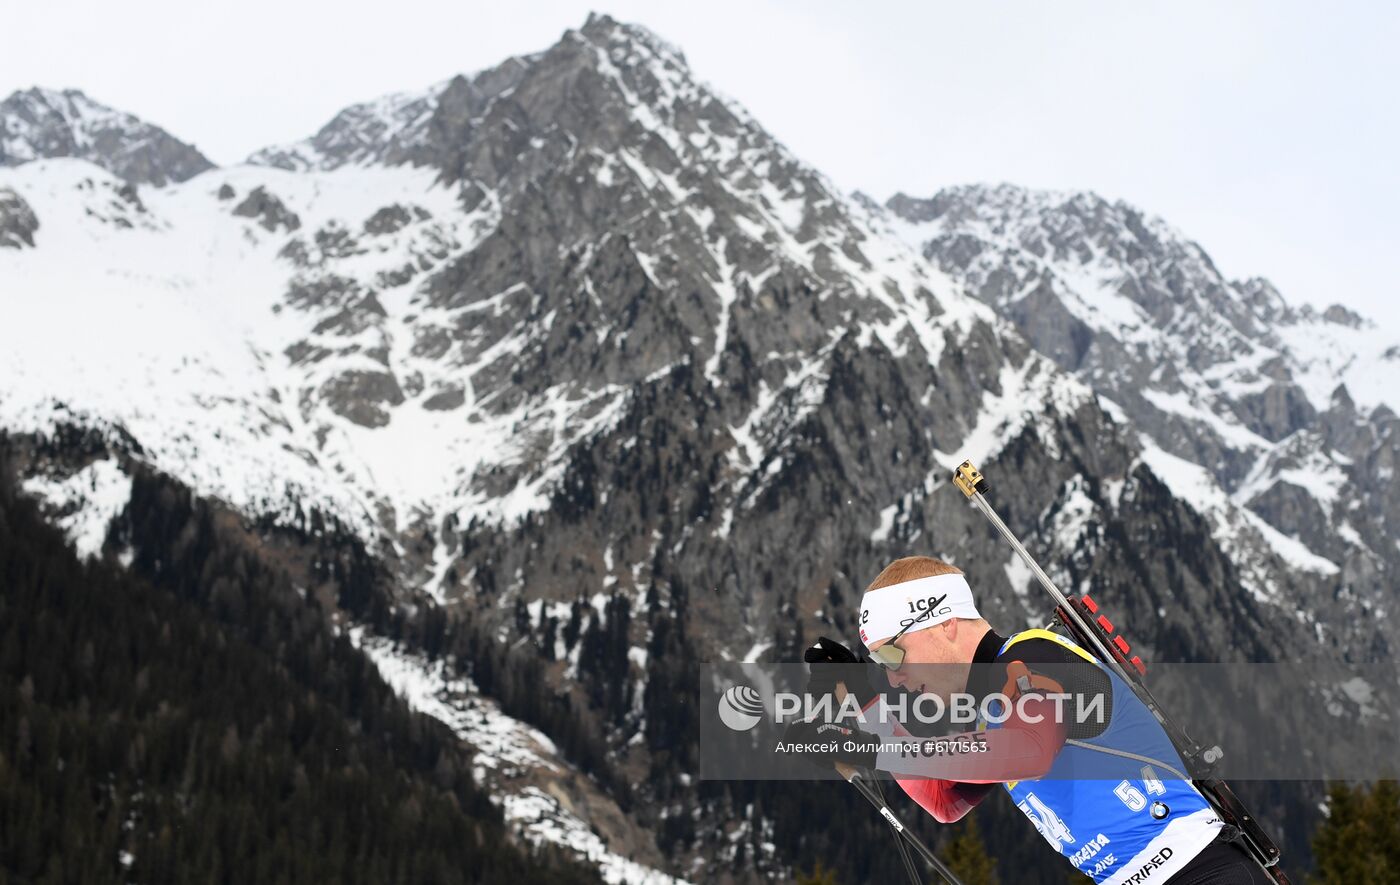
x=1264, y=299
x=41, y=123
x=433, y=126
x=631, y=221
x=1270, y=402
x=389, y=130
x=607, y=31
x=1114, y=268
x=630, y=41
x=584, y=88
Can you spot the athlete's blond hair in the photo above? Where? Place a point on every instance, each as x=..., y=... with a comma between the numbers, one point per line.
x=909, y=568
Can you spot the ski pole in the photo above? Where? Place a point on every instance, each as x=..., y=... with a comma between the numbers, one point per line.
x=876, y=797
x=858, y=780
x=899, y=841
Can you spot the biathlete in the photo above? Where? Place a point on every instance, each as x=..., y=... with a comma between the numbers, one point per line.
x=1111, y=795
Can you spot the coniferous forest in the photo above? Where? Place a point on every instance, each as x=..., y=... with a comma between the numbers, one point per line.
x=208, y=728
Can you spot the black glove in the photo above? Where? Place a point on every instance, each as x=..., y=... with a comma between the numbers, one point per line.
x=826, y=743
x=831, y=663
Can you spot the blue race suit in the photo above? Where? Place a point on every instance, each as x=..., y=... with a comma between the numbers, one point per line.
x=1118, y=805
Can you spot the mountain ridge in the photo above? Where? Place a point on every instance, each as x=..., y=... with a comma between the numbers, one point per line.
x=1286, y=408
x=37, y=124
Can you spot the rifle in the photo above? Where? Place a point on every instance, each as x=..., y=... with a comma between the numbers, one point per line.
x=1089, y=628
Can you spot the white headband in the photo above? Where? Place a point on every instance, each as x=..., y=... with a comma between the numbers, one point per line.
x=886, y=611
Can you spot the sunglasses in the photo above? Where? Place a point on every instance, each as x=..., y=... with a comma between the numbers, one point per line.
x=892, y=658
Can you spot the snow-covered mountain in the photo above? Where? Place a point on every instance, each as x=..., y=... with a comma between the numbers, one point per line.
x=38, y=124
x=308, y=328
x=586, y=358
x=1276, y=421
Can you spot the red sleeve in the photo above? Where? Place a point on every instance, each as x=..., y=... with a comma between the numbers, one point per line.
x=1021, y=749
x=947, y=801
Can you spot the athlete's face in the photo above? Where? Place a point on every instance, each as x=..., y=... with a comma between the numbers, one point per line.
x=934, y=662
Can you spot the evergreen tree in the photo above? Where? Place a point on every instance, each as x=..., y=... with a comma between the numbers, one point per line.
x=818, y=875
x=1360, y=840
x=967, y=856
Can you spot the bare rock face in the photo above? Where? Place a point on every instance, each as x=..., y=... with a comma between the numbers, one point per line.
x=1343, y=316
x=363, y=397
x=392, y=219
x=42, y=124
x=446, y=400
x=1277, y=411
x=17, y=221
x=268, y=210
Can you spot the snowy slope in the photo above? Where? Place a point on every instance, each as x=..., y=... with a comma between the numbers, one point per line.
x=166, y=326
x=198, y=370
x=537, y=789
